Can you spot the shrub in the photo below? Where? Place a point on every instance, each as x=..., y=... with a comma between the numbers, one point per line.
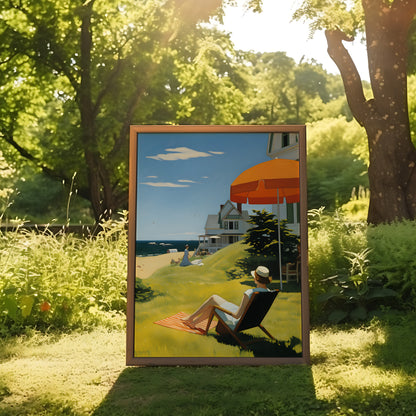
x=393, y=258
x=355, y=268
x=330, y=237
x=61, y=281
x=356, y=209
x=354, y=296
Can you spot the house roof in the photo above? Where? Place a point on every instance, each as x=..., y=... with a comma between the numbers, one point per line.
x=212, y=222
x=227, y=211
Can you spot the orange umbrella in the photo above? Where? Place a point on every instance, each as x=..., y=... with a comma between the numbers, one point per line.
x=258, y=184
x=268, y=183
x=261, y=195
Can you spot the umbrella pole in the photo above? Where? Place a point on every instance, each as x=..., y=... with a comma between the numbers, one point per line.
x=280, y=244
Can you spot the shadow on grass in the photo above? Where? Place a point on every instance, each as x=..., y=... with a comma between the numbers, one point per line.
x=262, y=347
x=398, y=349
x=268, y=390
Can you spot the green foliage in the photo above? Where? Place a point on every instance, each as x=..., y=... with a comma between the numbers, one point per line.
x=263, y=244
x=354, y=296
x=355, y=268
x=209, y=82
x=411, y=43
x=63, y=282
x=142, y=292
x=147, y=63
x=263, y=238
x=75, y=76
x=330, y=237
x=39, y=197
x=285, y=92
x=393, y=258
x=332, y=14
x=412, y=105
x=7, y=173
x=356, y=209
x=333, y=166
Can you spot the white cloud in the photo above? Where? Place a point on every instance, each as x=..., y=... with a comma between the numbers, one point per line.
x=179, y=153
x=216, y=153
x=151, y=177
x=164, y=184
x=186, y=181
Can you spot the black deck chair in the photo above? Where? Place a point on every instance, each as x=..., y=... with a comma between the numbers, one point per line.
x=257, y=308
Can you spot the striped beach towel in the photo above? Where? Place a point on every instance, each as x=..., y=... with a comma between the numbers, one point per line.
x=175, y=322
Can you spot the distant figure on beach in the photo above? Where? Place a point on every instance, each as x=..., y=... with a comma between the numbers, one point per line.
x=261, y=279
x=185, y=261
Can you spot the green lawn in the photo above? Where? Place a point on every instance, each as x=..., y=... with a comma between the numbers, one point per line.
x=184, y=289
x=368, y=370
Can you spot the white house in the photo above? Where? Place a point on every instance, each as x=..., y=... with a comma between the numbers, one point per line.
x=286, y=146
x=224, y=228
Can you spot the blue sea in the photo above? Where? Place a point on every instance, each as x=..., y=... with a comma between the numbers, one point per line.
x=154, y=248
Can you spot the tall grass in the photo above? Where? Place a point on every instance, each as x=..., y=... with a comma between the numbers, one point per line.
x=62, y=281
x=65, y=282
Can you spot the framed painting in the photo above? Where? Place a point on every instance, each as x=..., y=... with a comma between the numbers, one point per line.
x=217, y=251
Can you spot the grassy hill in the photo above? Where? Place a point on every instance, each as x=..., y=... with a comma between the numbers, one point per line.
x=183, y=289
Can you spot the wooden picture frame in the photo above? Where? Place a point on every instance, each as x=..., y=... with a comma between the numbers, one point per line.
x=178, y=175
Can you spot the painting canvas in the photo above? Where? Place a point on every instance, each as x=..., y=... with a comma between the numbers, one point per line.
x=217, y=263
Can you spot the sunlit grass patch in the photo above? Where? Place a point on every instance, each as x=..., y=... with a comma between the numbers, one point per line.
x=367, y=371
x=44, y=373
x=356, y=364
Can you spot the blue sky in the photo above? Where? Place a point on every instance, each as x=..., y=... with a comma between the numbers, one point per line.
x=183, y=177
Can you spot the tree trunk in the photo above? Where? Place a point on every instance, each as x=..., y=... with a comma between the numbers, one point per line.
x=100, y=191
x=392, y=168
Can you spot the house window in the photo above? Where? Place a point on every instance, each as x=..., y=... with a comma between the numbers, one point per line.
x=293, y=213
x=231, y=225
x=290, y=214
x=271, y=137
x=285, y=139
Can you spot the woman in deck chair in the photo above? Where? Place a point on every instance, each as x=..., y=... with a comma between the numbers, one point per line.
x=261, y=278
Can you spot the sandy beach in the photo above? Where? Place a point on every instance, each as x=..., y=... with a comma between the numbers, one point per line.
x=146, y=266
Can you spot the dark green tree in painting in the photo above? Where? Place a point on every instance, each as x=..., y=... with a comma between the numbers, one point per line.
x=263, y=242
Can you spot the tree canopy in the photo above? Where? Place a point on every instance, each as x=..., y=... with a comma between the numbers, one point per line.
x=387, y=25
x=336, y=163
x=75, y=75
